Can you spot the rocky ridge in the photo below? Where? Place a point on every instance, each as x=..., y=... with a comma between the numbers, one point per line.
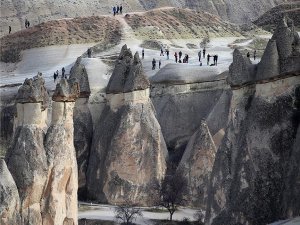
x=14, y=12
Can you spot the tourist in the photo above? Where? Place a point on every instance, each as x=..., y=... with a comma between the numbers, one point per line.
x=63, y=72
x=121, y=8
x=9, y=29
x=54, y=76
x=175, y=55
x=26, y=23
x=204, y=52
x=89, y=52
x=208, y=57
x=161, y=52
x=248, y=54
x=143, y=54
x=167, y=52
x=254, y=54
x=215, y=60
x=114, y=10
x=187, y=58
x=118, y=8
x=159, y=64
x=199, y=55
x=57, y=74
x=180, y=54
x=153, y=64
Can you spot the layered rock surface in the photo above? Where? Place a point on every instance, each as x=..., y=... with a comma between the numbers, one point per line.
x=60, y=195
x=26, y=158
x=182, y=106
x=83, y=124
x=128, y=152
x=9, y=197
x=255, y=174
x=43, y=165
x=197, y=162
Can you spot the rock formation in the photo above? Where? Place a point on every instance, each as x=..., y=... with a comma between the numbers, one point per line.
x=255, y=174
x=197, y=162
x=59, y=201
x=282, y=53
x=83, y=124
x=43, y=167
x=26, y=159
x=128, y=153
x=181, y=108
x=9, y=197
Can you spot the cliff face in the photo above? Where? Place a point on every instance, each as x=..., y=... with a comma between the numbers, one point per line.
x=256, y=161
x=128, y=152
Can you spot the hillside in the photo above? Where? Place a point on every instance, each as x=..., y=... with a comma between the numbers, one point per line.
x=174, y=23
x=14, y=12
x=60, y=32
x=269, y=19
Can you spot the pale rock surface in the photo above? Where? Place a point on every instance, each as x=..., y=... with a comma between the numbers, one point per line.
x=26, y=158
x=128, y=152
x=9, y=197
x=197, y=162
x=59, y=201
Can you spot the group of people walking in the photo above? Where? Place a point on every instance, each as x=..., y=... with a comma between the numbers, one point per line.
x=117, y=9
x=203, y=53
x=56, y=74
x=254, y=54
x=27, y=23
x=154, y=64
x=178, y=57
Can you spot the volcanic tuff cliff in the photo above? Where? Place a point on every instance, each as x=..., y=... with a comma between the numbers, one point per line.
x=43, y=164
x=128, y=154
x=255, y=177
x=14, y=12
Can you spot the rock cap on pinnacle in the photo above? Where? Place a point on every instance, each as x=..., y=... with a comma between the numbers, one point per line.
x=33, y=91
x=66, y=91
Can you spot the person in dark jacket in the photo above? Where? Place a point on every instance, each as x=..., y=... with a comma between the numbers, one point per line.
x=153, y=64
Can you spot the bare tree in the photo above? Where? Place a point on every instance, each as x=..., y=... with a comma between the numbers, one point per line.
x=172, y=191
x=127, y=212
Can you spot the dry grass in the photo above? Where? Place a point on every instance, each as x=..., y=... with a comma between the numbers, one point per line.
x=60, y=32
